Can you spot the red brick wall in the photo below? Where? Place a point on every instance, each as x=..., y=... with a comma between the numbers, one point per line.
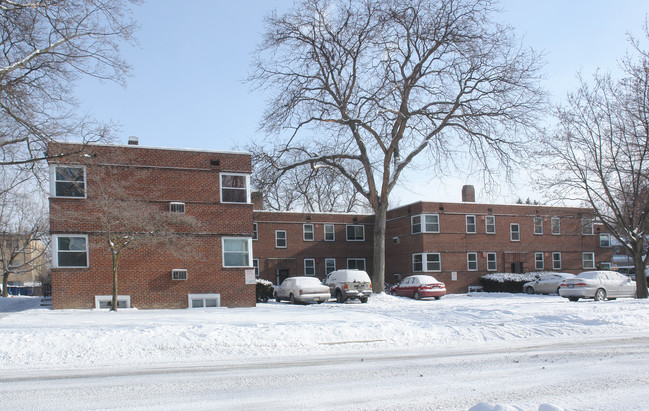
x=157, y=177
x=453, y=242
x=292, y=257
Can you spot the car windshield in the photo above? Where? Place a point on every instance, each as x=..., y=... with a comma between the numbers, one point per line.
x=307, y=281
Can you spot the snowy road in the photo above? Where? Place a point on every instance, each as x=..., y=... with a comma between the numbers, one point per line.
x=608, y=373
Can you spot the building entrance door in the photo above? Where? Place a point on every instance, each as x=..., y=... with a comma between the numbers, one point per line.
x=282, y=274
x=517, y=267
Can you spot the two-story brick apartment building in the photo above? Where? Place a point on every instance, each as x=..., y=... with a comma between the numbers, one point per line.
x=210, y=187
x=290, y=244
x=455, y=242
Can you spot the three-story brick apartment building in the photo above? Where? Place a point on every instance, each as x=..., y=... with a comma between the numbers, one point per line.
x=210, y=187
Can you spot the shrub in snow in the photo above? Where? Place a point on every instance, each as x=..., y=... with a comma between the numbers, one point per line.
x=506, y=282
x=264, y=290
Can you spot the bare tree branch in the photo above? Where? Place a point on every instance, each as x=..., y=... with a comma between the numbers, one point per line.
x=364, y=87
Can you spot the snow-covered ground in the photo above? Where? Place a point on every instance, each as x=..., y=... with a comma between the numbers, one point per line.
x=487, y=339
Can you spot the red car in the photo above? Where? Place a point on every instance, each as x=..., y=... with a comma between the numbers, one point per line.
x=419, y=286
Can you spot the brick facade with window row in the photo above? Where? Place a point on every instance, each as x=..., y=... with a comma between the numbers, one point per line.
x=291, y=244
x=210, y=189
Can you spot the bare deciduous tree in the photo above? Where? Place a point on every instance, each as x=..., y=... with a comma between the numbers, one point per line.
x=311, y=189
x=601, y=153
x=365, y=87
x=45, y=46
x=127, y=221
x=23, y=231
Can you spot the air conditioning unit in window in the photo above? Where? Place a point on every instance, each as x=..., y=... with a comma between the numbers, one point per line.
x=179, y=274
x=176, y=207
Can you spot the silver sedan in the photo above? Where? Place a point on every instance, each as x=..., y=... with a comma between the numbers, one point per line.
x=546, y=283
x=302, y=290
x=598, y=285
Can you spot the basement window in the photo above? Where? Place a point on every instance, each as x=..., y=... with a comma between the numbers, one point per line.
x=204, y=300
x=105, y=302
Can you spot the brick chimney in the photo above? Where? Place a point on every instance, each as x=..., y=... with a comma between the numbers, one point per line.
x=468, y=194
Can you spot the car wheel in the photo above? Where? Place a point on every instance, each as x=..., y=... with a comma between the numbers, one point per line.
x=438, y=297
x=529, y=290
x=393, y=292
x=600, y=294
x=363, y=299
x=558, y=291
x=417, y=296
x=292, y=297
x=277, y=298
x=319, y=302
x=339, y=297
x=612, y=299
x=573, y=298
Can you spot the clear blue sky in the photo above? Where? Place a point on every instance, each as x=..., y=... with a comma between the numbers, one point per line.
x=187, y=88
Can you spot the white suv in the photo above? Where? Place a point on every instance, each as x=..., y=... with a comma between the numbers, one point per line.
x=349, y=284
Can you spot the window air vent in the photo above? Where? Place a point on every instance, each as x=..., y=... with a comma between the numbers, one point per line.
x=179, y=274
x=215, y=163
x=175, y=207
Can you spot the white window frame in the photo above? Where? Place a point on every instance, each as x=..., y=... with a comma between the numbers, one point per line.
x=311, y=264
x=204, y=297
x=179, y=274
x=255, y=265
x=487, y=224
x=607, y=241
x=305, y=232
x=53, y=181
x=99, y=299
x=423, y=223
x=584, y=260
x=354, y=225
x=492, y=261
x=472, y=258
x=556, y=260
x=475, y=224
x=246, y=188
x=585, y=223
x=538, y=226
x=55, y=251
x=539, y=263
x=255, y=232
x=425, y=262
x=248, y=251
x=333, y=232
x=177, y=207
x=512, y=232
x=357, y=259
x=553, y=225
x=277, y=239
x=329, y=261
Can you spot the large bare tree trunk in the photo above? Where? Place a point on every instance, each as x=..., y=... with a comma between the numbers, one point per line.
x=640, y=274
x=113, y=306
x=378, y=262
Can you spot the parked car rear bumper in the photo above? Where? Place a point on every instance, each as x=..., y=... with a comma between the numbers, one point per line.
x=581, y=292
x=312, y=298
x=432, y=293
